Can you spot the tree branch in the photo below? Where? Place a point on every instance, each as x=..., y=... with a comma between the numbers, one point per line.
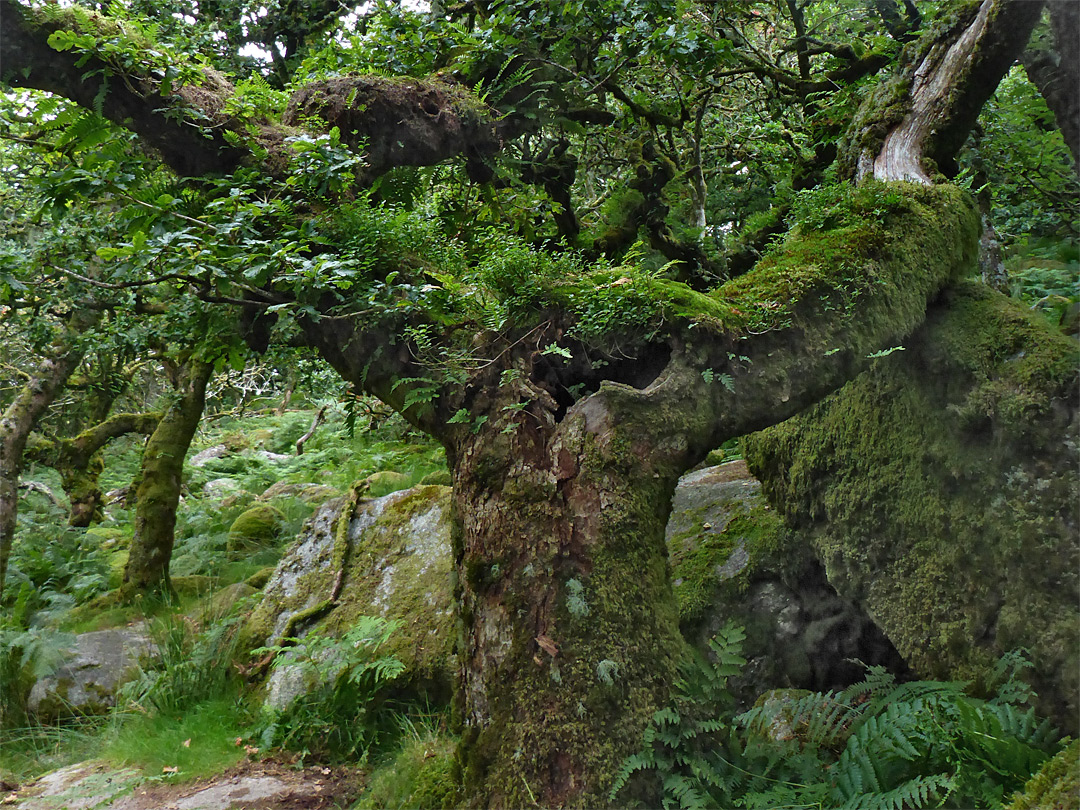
x=952, y=72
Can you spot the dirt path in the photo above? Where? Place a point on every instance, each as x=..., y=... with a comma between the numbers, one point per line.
x=265, y=785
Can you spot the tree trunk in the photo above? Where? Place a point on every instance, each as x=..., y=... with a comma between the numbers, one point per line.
x=571, y=632
x=147, y=570
x=19, y=419
x=1054, y=67
x=917, y=122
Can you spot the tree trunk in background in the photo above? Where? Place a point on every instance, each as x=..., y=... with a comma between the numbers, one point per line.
x=951, y=73
x=46, y=382
x=147, y=570
x=80, y=464
x=1053, y=65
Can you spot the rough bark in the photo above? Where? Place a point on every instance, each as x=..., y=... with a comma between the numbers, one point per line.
x=147, y=569
x=79, y=462
x=32, y=400
x=950, y=75
x=1054, y=68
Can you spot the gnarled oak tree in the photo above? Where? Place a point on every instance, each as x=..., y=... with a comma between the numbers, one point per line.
x=570, y=392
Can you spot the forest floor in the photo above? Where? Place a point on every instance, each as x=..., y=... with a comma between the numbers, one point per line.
x=249, y=785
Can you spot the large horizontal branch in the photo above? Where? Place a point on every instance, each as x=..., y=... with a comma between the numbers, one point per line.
x=76, y=451
x=840, y=299
x=392, y=123
x=130, y=98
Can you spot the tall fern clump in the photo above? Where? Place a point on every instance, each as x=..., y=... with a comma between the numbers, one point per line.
x=341, y=713
x=26, y=654
x=873, y=745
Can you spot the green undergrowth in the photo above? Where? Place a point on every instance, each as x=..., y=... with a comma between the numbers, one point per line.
x=200, y=741
x=876, y=744
x=420, y=773
x=32, y=749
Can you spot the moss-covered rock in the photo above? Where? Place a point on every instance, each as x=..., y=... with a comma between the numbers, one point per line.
x=440, y=478
x=397, y=565
x=259, y=579
x=313, y=494
x=385, y=482
x=98, y=663
x=940, y=491
x=256, y=527
x=733, y=560
x=1055, y=787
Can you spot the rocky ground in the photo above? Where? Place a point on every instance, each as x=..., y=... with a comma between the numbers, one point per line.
x=251, y=785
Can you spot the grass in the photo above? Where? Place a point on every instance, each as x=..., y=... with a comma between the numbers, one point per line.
x=30, y=751
x=200, y=741
x=420, y=773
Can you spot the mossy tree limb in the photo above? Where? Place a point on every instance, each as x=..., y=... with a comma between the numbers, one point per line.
x=147, y=569
x=407, y=122
x=32, y=400
x=78, y=460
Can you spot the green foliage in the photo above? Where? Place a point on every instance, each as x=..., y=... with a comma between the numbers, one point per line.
x=1045, y=274
x=1024, y=159
x=421, y=774
x=193, y=664
x=199, y=741
x=344, y=714
x=62, y=567
x=875, y=744
x=26, y=654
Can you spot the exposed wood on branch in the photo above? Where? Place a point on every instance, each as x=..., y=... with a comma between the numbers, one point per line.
x=41, y=489
x=319, y=418
x=950, y=81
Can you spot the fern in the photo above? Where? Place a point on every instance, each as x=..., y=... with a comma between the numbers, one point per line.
x=919, y=792
x=875, y=745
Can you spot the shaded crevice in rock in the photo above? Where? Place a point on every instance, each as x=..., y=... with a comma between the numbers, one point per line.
x=733, y=561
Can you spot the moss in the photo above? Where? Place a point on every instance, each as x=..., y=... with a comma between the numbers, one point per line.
x=438, y=478
x=259, y=579
x=581, y=692
x=385, y=482
x=255, y=527
x=941, y=487
x=700, y=558
x=422, y=776
x=1055, y=787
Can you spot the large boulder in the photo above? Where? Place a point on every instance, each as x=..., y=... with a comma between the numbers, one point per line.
x=87, y=682
x=940, y=491
x=395, y=564
x=733, y=561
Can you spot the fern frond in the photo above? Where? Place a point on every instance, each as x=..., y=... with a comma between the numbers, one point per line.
x=919, y=792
